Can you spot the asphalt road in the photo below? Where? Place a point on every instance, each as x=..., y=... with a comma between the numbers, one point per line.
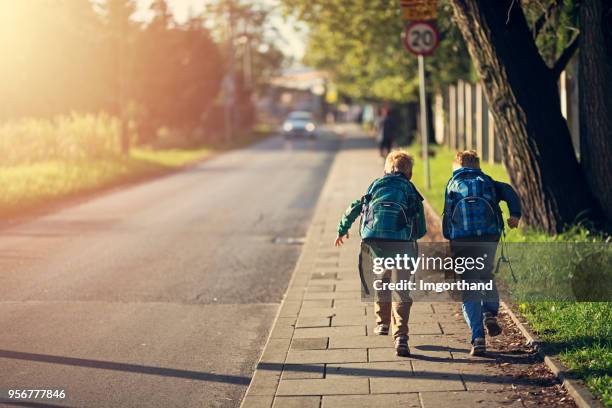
x=162, y=294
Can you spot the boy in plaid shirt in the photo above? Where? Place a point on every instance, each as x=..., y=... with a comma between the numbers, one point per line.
x=473, y=223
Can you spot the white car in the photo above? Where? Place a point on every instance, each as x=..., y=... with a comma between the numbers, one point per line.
x=299, y=124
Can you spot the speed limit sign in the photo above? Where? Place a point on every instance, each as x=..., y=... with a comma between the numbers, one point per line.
x=420, y=38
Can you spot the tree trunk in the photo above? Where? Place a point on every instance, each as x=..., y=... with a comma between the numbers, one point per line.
x=523, y=97
x=595, y=72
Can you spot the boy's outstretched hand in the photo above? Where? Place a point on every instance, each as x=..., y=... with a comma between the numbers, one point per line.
x=339, y=239
x=513, y=222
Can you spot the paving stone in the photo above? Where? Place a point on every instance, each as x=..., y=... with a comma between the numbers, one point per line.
x=446, y=307
x=329, y=331
x=303, y=371
x=290, y=308
x=265, y=382
x=343, y=320
x=454, y=327
x=324, y=281
x=416, y=317
x=394, y=369
x=276, y=351
x=330, y=295
x=332, y=311
x=283, y=328
x=426, y=343
x=329, y=253
x=312, y=322
x=323, y=275
x=348, y=285
x=349, y=342
x=326, y=356
x=352, y=302
x=319, y=303
x=421, y=307
x=478, y=374
x=325, y=264
x=257, y=401
x=413, y=328
x=469, y=399
x=410, y=400
x=297, y=402
x=316, y=343
x=418, y=383
x=324, y=387
x=388, y=354
x=319, y=288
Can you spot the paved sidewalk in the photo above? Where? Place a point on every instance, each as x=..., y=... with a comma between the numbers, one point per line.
x=322, y=351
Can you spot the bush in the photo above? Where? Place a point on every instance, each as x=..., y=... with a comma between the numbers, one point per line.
x=65, y=138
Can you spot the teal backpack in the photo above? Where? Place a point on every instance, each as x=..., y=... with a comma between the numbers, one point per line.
x=392, y=209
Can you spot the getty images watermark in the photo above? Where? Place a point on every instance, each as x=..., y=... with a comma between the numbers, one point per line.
x=410, y=264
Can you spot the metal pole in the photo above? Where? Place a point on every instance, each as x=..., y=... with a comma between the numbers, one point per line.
x=424, y=129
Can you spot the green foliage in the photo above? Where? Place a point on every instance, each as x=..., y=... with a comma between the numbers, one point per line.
x=559, y=28
x=359, y=43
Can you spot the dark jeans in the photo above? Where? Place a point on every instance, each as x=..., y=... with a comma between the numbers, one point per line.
x=385, y=146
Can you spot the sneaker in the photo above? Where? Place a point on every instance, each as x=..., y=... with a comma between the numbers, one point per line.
x=490, y=322
x=401, y=347
x=479, y=347
x=381, y=330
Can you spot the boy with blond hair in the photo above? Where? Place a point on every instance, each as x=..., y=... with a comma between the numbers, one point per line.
x=392, y=217
x=473, y=223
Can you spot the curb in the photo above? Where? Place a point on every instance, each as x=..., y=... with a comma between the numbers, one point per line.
x=581, y=395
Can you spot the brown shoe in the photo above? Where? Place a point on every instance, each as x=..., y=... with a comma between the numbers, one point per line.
x=401, y=347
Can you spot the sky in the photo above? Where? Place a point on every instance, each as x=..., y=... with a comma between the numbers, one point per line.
x=291, y=44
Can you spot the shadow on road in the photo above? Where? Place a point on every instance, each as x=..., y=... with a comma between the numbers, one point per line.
x=133, y=368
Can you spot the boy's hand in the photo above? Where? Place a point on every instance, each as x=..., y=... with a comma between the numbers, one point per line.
x=513, y=222
x=339, y=240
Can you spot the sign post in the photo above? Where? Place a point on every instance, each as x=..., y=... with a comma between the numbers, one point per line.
x=424, y=127
x=421, y=38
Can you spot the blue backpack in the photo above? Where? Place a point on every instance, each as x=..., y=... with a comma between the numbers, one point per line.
x=471, y=207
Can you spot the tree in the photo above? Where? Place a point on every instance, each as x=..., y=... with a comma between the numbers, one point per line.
x=359, y=43
x=121, y=37
x=596, y=99
x=523, y=96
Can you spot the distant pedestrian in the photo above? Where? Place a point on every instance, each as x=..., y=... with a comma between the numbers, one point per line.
x=389, y=128
x=392, y=219
x=473, y=223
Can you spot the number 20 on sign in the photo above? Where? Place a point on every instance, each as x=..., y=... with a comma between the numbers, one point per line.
x=420, y=38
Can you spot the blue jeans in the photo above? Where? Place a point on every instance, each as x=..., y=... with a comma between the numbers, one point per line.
x=473, y=312
x=476, y=304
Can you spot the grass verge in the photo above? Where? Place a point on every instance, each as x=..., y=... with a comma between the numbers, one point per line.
x=33, y=186
x=580, y=333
